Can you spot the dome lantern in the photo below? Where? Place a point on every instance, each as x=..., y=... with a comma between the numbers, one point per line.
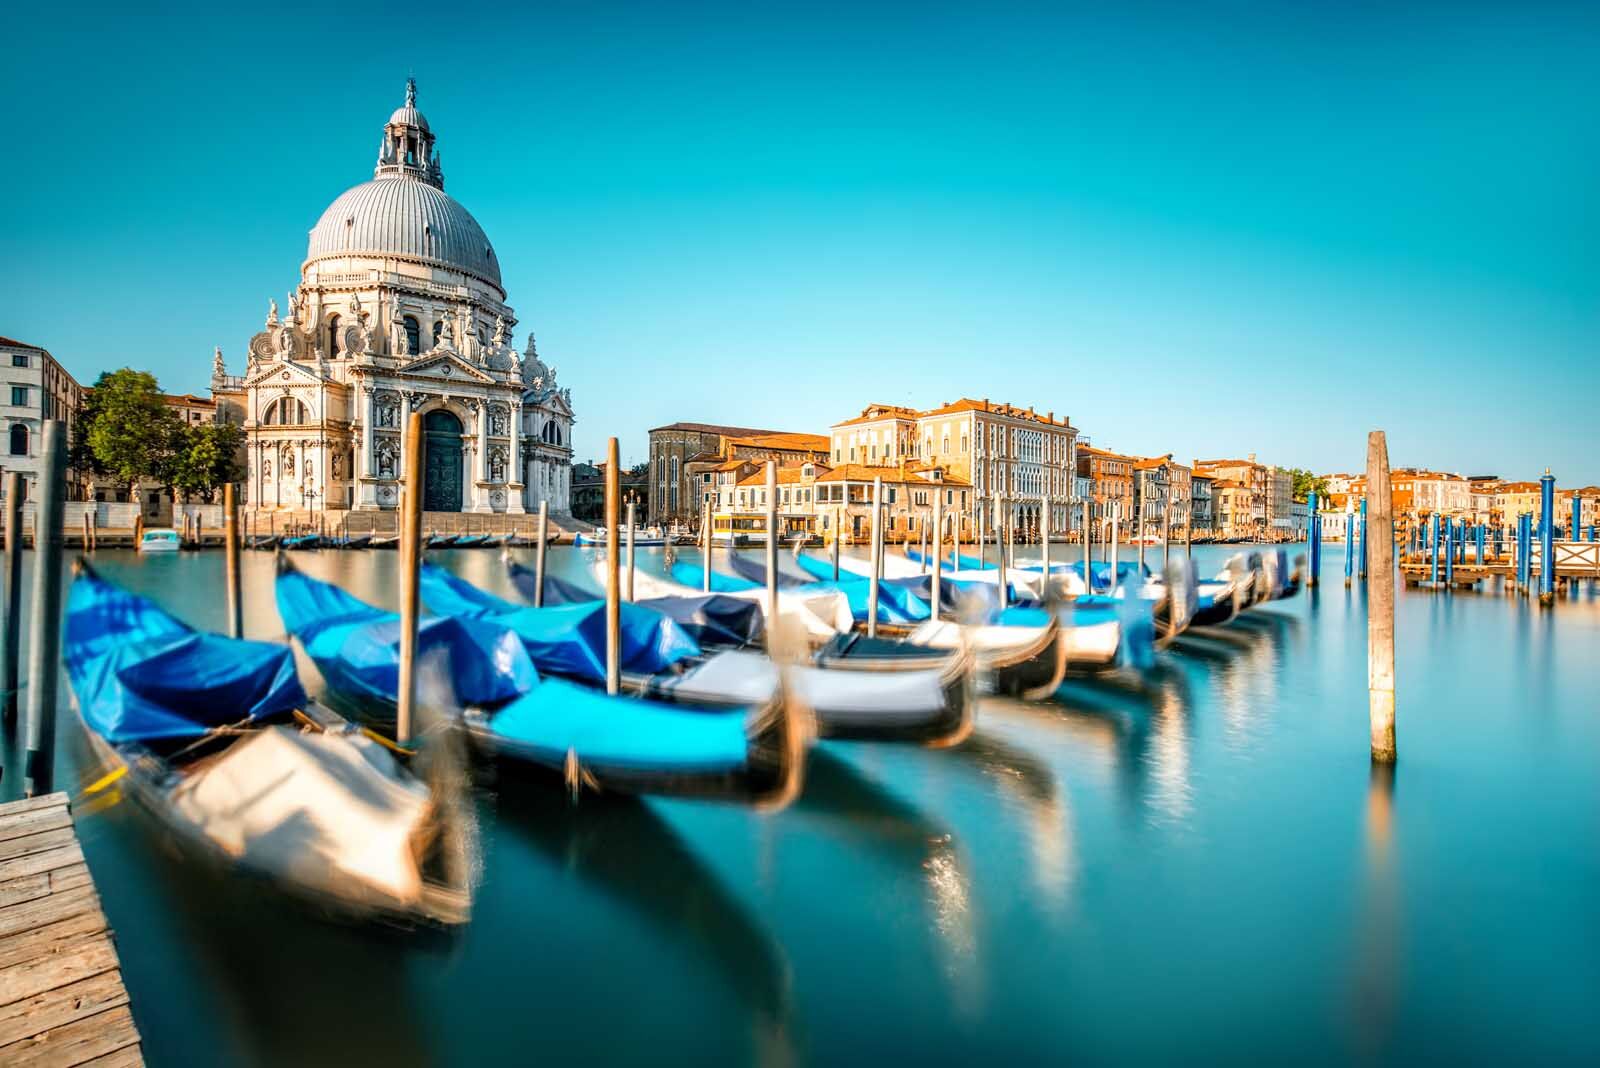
x=407, y=149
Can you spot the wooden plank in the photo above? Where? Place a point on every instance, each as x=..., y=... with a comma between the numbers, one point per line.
x=46, y=860
x=26, y=888
x=35, y=843
x=76, y=1042
x=69, y=877
x=50, y=938
x=31, y=804
x=77, y=960
x=15, y=919
x=41, y=819
x=60, y=1006
x=126, y=1057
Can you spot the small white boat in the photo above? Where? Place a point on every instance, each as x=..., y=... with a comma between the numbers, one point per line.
x=160, y=541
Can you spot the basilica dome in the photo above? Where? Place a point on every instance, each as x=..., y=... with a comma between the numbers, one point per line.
x=400, y=215
x=404, y=212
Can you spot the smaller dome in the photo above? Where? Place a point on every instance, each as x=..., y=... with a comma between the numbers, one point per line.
x=408, y=116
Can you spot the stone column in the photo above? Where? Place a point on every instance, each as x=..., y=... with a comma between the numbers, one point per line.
x=514, y=469
x=369, y=422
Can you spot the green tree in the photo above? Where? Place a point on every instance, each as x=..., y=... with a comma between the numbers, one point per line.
x=1305, y=484
x=205, y=458
x=129, y=433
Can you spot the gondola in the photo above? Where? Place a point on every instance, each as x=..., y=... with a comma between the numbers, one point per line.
x=261, y=541
x=441, y=541
x=391, y=541
x=209, y=730
x=302, y=541
x=753, y=752
x=897, y=604
x=470, y=541
x=854, y=687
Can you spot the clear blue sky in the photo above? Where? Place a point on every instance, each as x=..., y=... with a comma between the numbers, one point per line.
x=1210, y=229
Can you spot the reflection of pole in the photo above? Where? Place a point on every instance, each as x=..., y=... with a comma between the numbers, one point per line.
x=1380, y=604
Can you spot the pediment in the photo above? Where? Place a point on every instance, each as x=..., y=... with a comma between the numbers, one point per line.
x=446, y=367
x=283, y=373
x=549, y=398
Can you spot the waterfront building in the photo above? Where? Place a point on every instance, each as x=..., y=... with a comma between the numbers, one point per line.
x=1168, y=485
x=1202, y=513
x=1110, y=476
x=400, y=309
x=1001, y=449
x=38, y=387
x=684, y=458
x=1235, y=504
x=817, y=499
x=1251, y=522
x=1280, y=502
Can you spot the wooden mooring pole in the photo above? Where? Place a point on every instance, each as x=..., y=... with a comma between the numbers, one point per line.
x=627, y=590
x=705, y=551
x=938, y=547
x=1380, y=603
x=9, y=675
x=613, y=575
x=230, y=547
x=541, y=540
x=410, y=569
x=770, y=551
x=999, y=553
x=876, y=548
x=44, y=642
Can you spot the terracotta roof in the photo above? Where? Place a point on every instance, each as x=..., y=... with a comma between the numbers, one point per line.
x=787, y=476
x=967, y=404
x=14, y=343
x=897, y=474
x=783, y=440
x=1090, y=450
x=714, y=428
x=1152, y=462
x=732, y=465
x=189, y=400
x=872, y=413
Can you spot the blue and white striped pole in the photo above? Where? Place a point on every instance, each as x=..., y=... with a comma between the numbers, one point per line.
x=1315, y=531
x=1547, y=548
x=1433, y=552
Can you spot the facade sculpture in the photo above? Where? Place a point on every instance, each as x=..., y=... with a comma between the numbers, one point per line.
x=400, y=299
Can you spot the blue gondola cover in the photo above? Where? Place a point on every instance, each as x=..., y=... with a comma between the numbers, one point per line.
x=357, y=646
x=142, y=676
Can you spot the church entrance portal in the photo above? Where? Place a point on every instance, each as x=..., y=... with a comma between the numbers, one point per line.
x=441, y=462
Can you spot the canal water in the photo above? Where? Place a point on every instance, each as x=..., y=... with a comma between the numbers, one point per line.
x=1202, y=867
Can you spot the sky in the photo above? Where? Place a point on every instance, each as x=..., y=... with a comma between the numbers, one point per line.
x=1210, y=230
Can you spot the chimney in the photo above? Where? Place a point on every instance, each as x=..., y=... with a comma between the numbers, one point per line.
x=986, y=404
x=1049, y=417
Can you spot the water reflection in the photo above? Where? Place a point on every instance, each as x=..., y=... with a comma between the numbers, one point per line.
x=1376, y=979
x=623, y=848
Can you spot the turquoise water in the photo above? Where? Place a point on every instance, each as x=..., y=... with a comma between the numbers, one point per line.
x=1201, y=867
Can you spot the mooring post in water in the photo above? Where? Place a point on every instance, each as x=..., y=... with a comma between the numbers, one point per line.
x=1315, y=532
x=838, y=536
x=9, y=677
x=230, y=549
x=999, y=555
x=1138, y=530
x=875, y=544
x=613, y=571
x=627, y=588
x=1114, y=580
x=1577, y=517
x=1547, y=571
x=541, y=540
x=1349, y=542
x=410, y=573
x=1044, y=535
x=1361, y=562
x=1088, y=581
x=44, y=641
x=1449, y=554
x=1478, y=548
x=1433, y=553
x=977, y=531
x=1380, y=604
x=772, y=540
x=938, y=547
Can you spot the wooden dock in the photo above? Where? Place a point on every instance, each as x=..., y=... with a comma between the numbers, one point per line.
x=62, y=1001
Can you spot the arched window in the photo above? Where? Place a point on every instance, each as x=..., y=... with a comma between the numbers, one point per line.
x=413, y=335
x=285, y=411
x=333, y=336
x=438, y=331
x=19, y=440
